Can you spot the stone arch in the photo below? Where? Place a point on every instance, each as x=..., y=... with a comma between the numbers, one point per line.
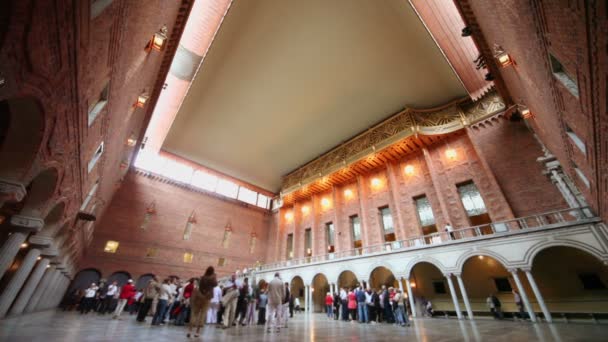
x=469, y=254
x=410, y=266
x=40, y=191
x=53, y=220
x=84, y=278
x=296, y=287
x=320, y=287
x=143, y=280
x=347, y=279
x=20, y=141
x=483, y=275
x=382, y=275
x=428, y=283
x=120, y=277
x=539, y=247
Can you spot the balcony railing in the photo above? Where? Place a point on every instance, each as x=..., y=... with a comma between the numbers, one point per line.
x=547, y=220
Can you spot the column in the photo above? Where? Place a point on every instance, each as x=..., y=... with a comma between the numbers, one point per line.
x=539, y=296
x=306, y=307
x=16, y=282
x=42, y=285
x=9, y=250
x=523, y=295
x=60, y=291
x=310, y=299
x=393, y=190
x=465, y=297
x=454, y=296
x=400, y=281
x=410, y=296
x=29, y=288
x=42, y=304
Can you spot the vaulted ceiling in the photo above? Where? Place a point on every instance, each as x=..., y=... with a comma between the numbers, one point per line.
x=287, y=80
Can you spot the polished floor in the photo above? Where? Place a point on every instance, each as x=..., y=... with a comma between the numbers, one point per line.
x=59, y=326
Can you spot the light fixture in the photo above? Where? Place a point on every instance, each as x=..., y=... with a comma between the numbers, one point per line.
x=47, y=266
x=312, y=289
x=325, y=202
x=141, y=100
x=409, y=170
x=503, y=59
x=526, y=113
x=450, y=153
x=158, y=39
x=24, y=245
x=131, y=142
x=305, y=210
x=412, y=284
x=480, y=257
x=376, y=182
x=289, y=216
x=38, y=258
x=348, y=193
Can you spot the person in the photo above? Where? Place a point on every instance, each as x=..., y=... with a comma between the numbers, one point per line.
x=250, y=318
x=361, y=305
x=200, y=299
x=285, y=312
x=108, y=298
x=126, y=293
x=229, y=302
x=186, y=294
x=329, y=305
x=386, y=299
x=400, y=310
x=135, y=302
x=88, y=300
x=214, y=305
x=450, y=230
x=262, y=302
x=520, y=304
x=344, y=301
x=337, y=303
x=428, y=307
x=276, y=294
x=495, y=306
x=296, y=303
x=98, y=303
x=164, y=296
x=373, y=305
x=291, y=304
x=242, y=302
x=150, y=292
x=352, y=305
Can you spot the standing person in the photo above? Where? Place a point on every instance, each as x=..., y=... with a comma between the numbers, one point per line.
x=229, y=302
x=429, y=308
x=292, y=305
x=285, y=312
x=150, y=292
x=497, y=306
x=352, y=305
x=386, y=299
x=262, y=302
x=214, y=305
x=374, y=304
x=164, y=296
x=199, y=302
x=276, y=293
x=520, y=304
x=186, y=294
x=242, y=302
x=400, y=309
x=134, y=307
x=88, y=300
x=337, y=303
x=126, y=293
x=108, y=297
x=329, y=305
x=491, y=306
x=450, y=230
x=361, y=305
x=344, y=301
x=296, y=303
x=250, y=317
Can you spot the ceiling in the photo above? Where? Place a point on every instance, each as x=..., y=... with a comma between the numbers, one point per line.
x=287, y=80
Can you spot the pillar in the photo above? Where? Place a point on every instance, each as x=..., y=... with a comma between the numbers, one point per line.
x=454, y=296
x=539, y=297
x=16, y=282
x=400, y=281
x=9, y=250
x=42, y=285
x=465, y=297
x=410, y=296
x=43, y=303
x=59, y=294
x=393, y=192
x=523, y=295
x=311, y=303
x=306, y=307
x=29, y=288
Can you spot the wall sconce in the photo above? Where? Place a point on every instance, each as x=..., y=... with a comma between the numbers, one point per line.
x=38, y=258
x=308, y=252
x=312, y=289
x=158, y=39
x=48, y=266
x=325, y=202
x=24, y=245
x=141, y=100
x=503, y=59
x=376, y=182
x=409, y=170
x=526, y=113
x=305, y=210
x=289, y=216
x=450, y=153
x=348, y=193
x=480, y=257
x=131, y=142
x=412, y=284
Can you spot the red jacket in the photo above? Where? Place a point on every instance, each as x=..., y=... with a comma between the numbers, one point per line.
x=188, y=290
x=329, y=300
x=127, y=292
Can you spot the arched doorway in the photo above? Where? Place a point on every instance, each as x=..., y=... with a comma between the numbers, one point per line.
x=347, y=280
x=297, y=288
x=320, y=286
x=429, y=284
x=571, y=281
x=483, y=276
x=84, y=278
x=20, y=135
x=121, y=277
x=382, y=276
x=143, y=280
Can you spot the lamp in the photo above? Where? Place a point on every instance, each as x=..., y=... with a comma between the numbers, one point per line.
x=24, y=245
x=409, y=170
x=376, y=182
x=325, y=202
x=503, y=59
x=289, y=216
x=526, y=113
x=158, y=39
x=305, y=210
x=412, y=284
x=450, y=153
x=131, y=142
x=348, y=193
x=141, y=100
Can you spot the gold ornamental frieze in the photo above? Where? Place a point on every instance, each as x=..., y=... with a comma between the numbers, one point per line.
x=449, y=118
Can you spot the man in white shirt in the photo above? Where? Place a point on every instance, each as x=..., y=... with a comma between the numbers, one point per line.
x=108, y=301
x=89, y=299
x=229, y=300
x=344, y=300
x=276, y=295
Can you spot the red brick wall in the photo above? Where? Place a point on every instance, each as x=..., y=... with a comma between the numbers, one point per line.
x=124, y=216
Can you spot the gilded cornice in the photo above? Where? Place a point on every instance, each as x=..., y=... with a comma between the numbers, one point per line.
x=448, y=118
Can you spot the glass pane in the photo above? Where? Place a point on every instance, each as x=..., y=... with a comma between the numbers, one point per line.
x=387, y=219
x=227, y=188
x=425, y=212
x=262, y=201
x=289, y=246
x=355, y=223
x=471, y=199
x=330, y=233
x=248, y=196
x=204, y=181
x=177, y=171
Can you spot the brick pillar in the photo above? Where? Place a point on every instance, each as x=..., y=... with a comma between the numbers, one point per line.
x=29, y=288
x=16, y=282
x=393, y=192
x=9, y=250
x=363, y=196
x=439, y=191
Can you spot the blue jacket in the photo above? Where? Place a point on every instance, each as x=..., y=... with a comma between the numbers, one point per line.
x=360, y=295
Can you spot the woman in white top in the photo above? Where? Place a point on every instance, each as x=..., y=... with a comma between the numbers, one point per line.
x=215, y=305
x=89, y=299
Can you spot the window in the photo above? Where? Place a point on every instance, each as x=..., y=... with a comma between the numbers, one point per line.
x=502, y=284
x=97, y=6
x=177, y=171
x=247, y=196
x=591, y=281
x=111, y=246
x=97, y=105
x=221, y=262
x=151, y=252
x=289, y=246
x=227, y=188
x=425, y=215
x=204, y=181
x=330, y=233
x=471, y=199
x=188, y=257
x=578, y=142
x=263, y=201
x=90, y=196
x=581, y=176
x=439, y=287
x=308, y=241
x=355, y=225
x=96, y=157
x=387, y=224
x=561, y=75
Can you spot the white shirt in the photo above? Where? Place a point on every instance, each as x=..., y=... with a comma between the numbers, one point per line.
x=217, y=295
x=343, y=295
x=368, y=298
x=111, y=290
x=296, y=301
x=165, y=292
x=90, y=292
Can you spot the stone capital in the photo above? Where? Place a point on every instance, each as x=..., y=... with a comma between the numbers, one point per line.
x=30, y=223
x=50, y=251
x=40, y=240
x=11, y=191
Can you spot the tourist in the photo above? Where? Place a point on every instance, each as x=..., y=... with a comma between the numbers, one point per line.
x=262, y=302
x=126, y=293
x=388, y=311
x=108, y=298
x=362, y=312
x=242, y=302
x=495, y=306
x=186, y=295
x=329, y=305
x=100, y=297
x=276, y=293
x=135, y=302
x=344, y=302
x=428, y=307
x=401, y=310
x=291, y=304
x=164, y=296
x=214, y=305
x=296, y=303
x=520, y=305
x=352, y=304
x=337, y=303
x=150, y=292
x=285, y=312
x=371, y=298
x=229, y=301
x=88, y=300
x=251, y=303
x=450, y=230
x=200, y=299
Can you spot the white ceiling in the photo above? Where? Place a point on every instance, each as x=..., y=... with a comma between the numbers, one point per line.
x=287, y=80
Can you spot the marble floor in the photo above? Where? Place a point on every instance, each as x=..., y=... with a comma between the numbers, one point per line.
x=60, y=326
